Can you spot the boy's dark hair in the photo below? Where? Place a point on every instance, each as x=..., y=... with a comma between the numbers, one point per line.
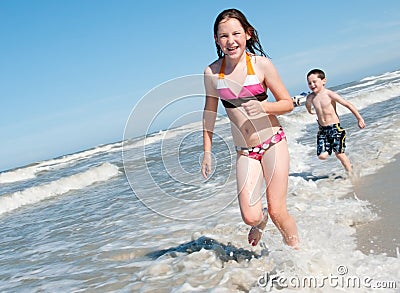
x=317, y=72
x=253, y=44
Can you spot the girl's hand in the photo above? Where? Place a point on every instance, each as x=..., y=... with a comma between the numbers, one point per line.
x=253, y=107
x=206, y=164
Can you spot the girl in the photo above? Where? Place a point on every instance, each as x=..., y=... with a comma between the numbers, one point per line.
x=240, y=79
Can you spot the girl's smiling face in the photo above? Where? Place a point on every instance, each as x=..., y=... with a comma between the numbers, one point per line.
x=231, y=37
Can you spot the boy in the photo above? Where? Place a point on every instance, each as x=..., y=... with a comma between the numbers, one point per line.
x=330, y=137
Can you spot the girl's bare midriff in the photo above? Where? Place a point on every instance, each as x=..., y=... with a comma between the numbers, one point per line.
x=251, y=132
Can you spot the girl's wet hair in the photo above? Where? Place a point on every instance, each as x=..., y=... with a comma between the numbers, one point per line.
x=253, y=44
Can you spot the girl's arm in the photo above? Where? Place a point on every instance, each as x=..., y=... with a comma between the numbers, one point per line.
x=209, y=117
x=273, y=82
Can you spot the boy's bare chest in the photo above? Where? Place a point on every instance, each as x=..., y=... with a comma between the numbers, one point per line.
x=322, y=101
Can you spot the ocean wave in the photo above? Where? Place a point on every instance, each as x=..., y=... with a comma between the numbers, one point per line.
x=170, y=133
x=72, y=158
x=34, y=194
x=363, y=85
x=374, y=95
x=20, y=174
x=29, y=172
x=387, y=75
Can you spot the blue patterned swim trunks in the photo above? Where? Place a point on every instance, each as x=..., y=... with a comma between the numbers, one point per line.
x=331, y=138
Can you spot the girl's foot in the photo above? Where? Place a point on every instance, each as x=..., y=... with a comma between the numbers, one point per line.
x=255, y=232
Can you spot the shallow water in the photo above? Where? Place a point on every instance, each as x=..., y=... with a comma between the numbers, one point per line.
x=382, y=235
x=76, y=223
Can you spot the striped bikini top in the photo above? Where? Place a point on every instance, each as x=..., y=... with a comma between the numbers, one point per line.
x=251, y=89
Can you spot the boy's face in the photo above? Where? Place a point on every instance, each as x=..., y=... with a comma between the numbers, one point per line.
x=315, y=84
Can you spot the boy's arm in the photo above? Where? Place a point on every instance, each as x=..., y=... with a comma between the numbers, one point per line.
x=308, y=104
x=335, y=97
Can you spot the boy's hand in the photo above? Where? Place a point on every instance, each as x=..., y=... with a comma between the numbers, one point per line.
x=361, y=123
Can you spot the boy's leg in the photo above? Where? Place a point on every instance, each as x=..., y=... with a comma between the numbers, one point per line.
x=344, y=160
x=323, y=156
x=322, y=152
x=339, y=146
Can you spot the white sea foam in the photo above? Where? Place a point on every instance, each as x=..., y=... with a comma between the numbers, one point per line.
x=30, y=172
x=372, y=95
x=34, y=194
x=18, y=174
x=384, y=76
x=72, y=158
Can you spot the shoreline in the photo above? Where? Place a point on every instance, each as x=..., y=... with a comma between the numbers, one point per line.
x=381, y=191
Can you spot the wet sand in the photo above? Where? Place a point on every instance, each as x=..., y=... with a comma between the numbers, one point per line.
x=382, y=191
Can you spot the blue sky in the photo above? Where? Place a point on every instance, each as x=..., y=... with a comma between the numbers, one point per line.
x=72, y=71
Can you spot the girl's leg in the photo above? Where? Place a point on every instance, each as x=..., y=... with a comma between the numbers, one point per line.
x=249, y=182
x=275, y=165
